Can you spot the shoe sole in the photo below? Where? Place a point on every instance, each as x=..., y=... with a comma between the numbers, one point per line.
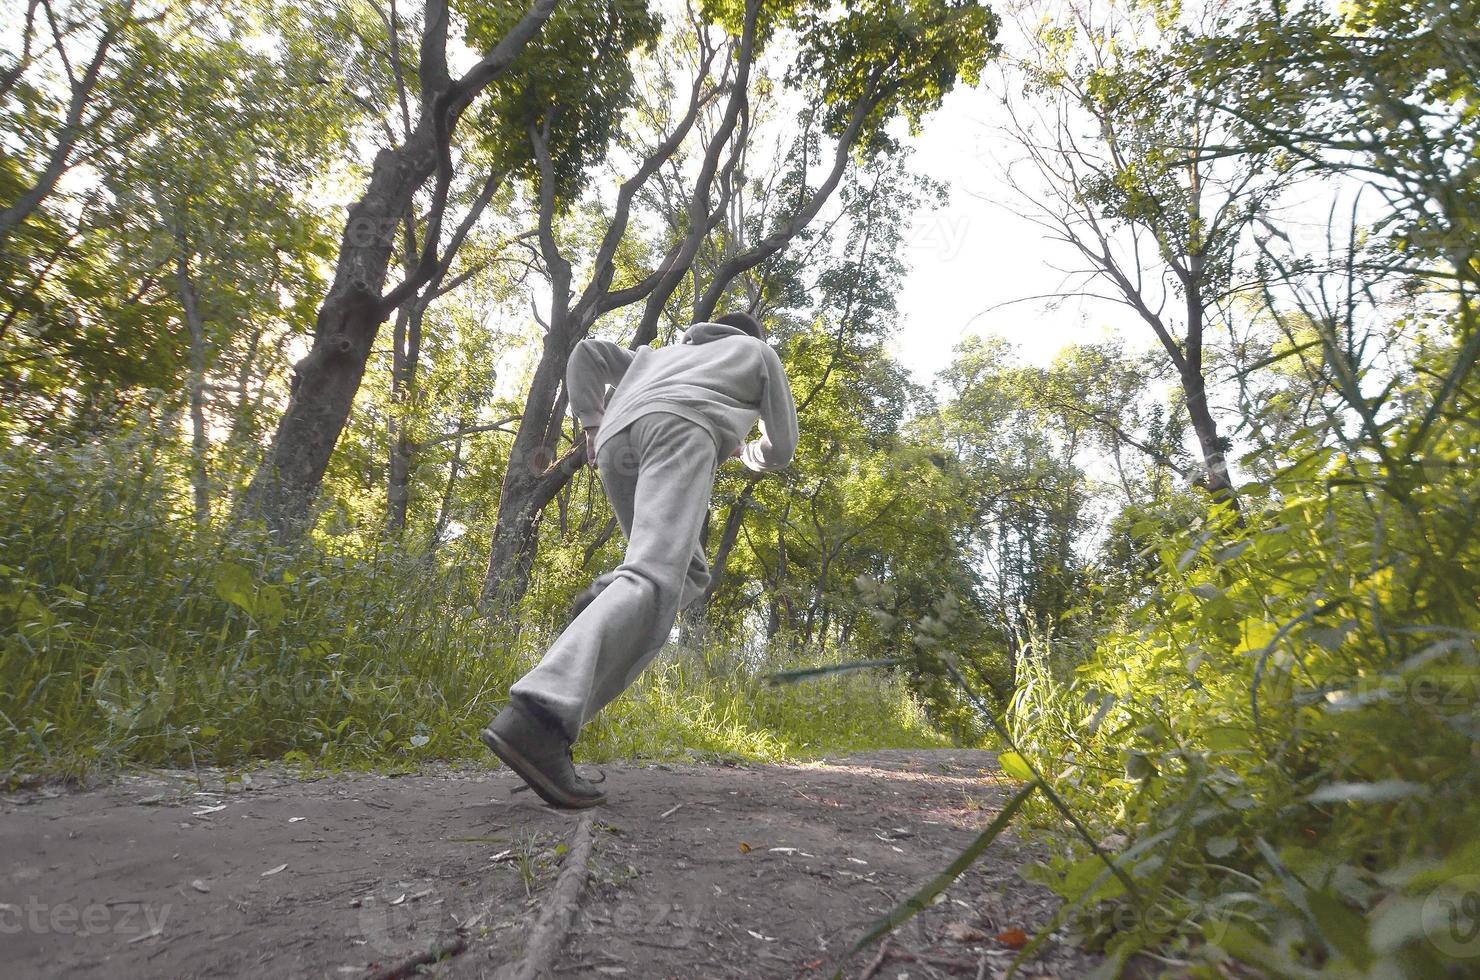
x=534, y=778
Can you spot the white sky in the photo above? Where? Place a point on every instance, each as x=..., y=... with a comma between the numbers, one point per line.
x=976, y=254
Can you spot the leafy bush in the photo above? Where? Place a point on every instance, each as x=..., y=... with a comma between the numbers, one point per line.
x=1280, y=741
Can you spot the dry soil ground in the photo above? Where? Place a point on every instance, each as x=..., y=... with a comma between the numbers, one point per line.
x=695, y=871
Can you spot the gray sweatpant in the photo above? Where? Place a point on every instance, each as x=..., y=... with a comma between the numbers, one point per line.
x=658, y=474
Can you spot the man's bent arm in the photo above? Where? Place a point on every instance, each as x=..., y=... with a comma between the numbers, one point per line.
x=779, y=433
x=593, y=365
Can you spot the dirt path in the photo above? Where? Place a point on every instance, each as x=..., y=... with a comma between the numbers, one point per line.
x=696, y=871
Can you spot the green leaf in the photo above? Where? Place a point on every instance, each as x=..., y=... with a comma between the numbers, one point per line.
x=1221, y=847
x=1087, y=881
x=270, y=611
x=1015, y=766
x=1343, y=929
x=234, y=584
x=1137, y=766
x=1231, y=552
x=1244, y=945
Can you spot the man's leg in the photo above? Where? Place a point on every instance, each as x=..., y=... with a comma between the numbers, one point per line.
x=604, y=649
x=619, y=482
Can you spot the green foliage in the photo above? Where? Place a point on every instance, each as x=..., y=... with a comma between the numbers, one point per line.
x=1285, y=732
x=1382, y=88
x=203, y=144
x=903, y=56
x=1263, y=718
x=572, y=84
x=128, y=638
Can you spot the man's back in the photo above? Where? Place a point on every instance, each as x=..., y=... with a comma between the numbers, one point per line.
x=717, y=376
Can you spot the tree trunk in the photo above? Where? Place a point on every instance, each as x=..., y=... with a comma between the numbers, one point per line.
x=531, y=480
x=444, y=511
x=200, y=483
x=325, y=382
x=60, y=158
x=729, y=535
x=242, y=412
x=781, y=601
x=1208, y=439
x=405, y=361
x=1194, y=389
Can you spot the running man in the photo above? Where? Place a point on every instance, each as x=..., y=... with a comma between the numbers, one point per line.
x=676, y=413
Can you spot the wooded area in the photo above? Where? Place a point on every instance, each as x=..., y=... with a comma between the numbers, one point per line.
x=287, y=293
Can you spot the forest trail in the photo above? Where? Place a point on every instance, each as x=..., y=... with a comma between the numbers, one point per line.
x=695, y=870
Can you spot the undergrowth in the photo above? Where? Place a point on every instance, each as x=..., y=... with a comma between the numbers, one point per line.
x=1277, y=740
x=130, y=637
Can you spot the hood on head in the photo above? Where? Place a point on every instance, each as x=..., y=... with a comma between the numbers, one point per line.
x=704, y=332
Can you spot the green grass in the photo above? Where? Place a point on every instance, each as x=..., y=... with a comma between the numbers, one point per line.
x=687, y=704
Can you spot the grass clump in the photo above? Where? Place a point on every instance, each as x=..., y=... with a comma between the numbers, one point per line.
x=711, y=701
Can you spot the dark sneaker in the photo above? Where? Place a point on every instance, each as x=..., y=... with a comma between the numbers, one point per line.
x=537, y=750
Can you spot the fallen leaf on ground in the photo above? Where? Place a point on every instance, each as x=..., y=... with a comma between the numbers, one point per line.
x=200, y=886
x=1013, y=938
x=296, y=819
x=744, y=848
x=273, y=871
x=209, y=809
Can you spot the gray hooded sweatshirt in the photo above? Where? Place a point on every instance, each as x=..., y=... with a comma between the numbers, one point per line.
x=717, y=376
